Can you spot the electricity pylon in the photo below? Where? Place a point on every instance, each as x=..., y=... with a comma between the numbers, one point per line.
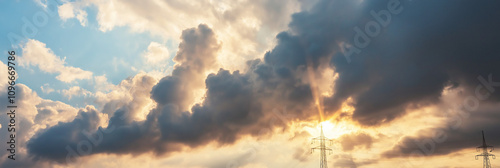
x=485, y=154
x=322, y=147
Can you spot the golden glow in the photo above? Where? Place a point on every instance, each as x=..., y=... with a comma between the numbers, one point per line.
x=327, y=125
x=331, y=127
x=333, y=130
x=346, y=106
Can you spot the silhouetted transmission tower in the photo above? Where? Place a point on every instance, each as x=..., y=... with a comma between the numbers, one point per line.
x=485, y=154
x=322, y=147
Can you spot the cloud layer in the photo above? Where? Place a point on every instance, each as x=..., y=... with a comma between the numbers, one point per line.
x=422, y=53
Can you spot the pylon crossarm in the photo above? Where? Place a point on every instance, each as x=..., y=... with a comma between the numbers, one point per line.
x=320, y=139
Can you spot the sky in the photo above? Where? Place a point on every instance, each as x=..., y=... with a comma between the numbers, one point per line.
x=249, y=84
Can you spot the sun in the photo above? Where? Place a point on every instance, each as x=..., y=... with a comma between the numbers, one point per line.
x=327, y=125
x=333, y=130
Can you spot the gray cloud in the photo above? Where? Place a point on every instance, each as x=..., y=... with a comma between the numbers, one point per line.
x=461, y=131
x=196, y=55
x=32, y=113
x=62, y=135
x=422, y=50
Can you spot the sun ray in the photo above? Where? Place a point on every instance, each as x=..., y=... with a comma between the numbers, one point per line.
x=315, y=92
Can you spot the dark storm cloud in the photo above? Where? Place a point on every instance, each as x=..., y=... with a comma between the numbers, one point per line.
x=62, y=135
x=428, y=46
x=228, y=109
x=460, y=132
x=423, y=49
x=197, y=53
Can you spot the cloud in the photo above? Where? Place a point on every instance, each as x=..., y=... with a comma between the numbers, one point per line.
x=33, y=114
x=460, y=130
x=132, y=93
x=4, y=77
x=394, y=74
x=231, y=107
x=46, y=88
x=301, y=154
x=414, y=73
x=272, y=13
x=35, y=53
x=156, y=54
x=101, y=83
x=349, y=141
x=345, y=161
x=243, y=26
x=196, y=56
x=235, y=103
x=348, y=161
x=75, y=91
x=68, y=11
x=63, y=135
x=49, y=113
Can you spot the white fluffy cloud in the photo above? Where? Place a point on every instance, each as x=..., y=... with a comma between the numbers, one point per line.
x=75, y=91
x=157, y=54
x=68, y=11
x=101, y=83
x=35, y=53
x=46, y=88
x=132, y=93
